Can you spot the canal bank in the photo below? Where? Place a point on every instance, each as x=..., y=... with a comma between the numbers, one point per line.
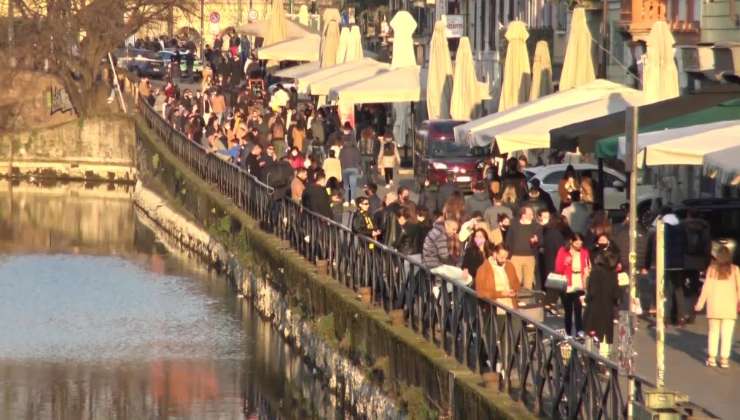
x=401, y=362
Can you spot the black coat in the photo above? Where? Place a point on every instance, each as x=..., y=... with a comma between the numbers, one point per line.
x=316, y=199
x=472, y=259
x=408, y=242
x=602, y=296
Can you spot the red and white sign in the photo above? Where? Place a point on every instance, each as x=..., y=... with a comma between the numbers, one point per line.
x=214, y=17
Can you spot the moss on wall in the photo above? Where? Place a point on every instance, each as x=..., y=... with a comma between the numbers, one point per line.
x=411, y=366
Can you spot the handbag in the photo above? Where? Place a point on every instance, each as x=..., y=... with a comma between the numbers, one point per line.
x=556, y=281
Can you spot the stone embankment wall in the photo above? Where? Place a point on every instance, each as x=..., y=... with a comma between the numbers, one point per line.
x=342, y=375
x=300, y=299
x=96, y=148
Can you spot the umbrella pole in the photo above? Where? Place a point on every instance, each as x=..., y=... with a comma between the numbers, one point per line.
x=660, y=305
x=631, y=115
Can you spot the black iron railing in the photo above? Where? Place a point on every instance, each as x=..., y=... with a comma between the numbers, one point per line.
x=550, y=373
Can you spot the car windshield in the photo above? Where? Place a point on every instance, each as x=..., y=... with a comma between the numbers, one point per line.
x=147, y=54
x=448, y=149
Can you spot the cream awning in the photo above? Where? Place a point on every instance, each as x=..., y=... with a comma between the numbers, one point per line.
x=304, y=81
x=300, y=49
x=389, y=86
x=298, y=71
x=597, y=89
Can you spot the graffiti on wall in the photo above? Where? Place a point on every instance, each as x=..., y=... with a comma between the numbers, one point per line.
x=59, y=100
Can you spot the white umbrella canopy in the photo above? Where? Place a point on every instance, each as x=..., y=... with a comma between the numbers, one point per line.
x=439, y=76
x=389, y=86
x=353, y=73
x=541, y=72
x=278, y=29
x=329, y=38
x=300, y=49
x=306, y=81
x=465, y=87
x=578, y=66
x=534, y=132
x=598, y=89
x=714, y=145
x=298, y=71
x=660, y=72
x=403, y=25
x=517, y=73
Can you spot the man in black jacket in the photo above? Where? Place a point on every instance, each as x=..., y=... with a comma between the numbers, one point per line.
x=698, y=254
x=407, y=242
x=316, y=198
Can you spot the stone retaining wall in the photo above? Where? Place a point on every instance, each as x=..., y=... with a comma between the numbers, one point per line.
x=96, y=148
x=398, y=360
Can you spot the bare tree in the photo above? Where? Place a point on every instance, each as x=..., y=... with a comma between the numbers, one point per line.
x=71, y=39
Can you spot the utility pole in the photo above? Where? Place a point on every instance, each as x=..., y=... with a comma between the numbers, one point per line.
x=632, y=122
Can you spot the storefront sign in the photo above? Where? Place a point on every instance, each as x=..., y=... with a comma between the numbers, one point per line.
x=455, y=26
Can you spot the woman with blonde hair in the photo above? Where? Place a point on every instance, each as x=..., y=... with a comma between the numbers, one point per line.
x=720, y=293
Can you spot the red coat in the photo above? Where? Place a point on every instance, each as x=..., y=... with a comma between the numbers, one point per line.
x=564, y=265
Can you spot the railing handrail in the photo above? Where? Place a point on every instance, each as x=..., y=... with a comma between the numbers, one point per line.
x=338, y=232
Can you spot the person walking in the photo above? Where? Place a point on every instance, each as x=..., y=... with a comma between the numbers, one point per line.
x=523, y=240
x=602, y=297
x=721, y=295
x=698, y=254
x=351, y=161
x=388, y=159
x=574, y=262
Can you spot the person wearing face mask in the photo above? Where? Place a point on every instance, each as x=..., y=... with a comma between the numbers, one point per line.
x=604, y=244
x=573, y=261
x=498, y=235
x=474, y=251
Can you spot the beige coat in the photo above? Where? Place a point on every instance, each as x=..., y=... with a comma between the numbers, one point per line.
x=720, y=295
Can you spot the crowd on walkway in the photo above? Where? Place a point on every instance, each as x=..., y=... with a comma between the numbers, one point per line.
x=504, y=237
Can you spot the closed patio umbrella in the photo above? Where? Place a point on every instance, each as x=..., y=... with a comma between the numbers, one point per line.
x=278, y=29
x=465, y=86
x=329, y=38
x=403, y=25
x=578, y=67
x=303, y=17
x=541, y=72
x=517, y=73
x=343, y=45
x=439, y=77
x=299, y=49
x=354, y=50
x=660, y=75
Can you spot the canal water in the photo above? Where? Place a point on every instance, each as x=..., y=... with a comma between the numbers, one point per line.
x=99, y=319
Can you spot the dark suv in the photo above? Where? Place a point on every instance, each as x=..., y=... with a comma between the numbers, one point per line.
x=437, y=156
x=723, y=216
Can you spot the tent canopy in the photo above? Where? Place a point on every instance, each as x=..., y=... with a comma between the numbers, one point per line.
x=300, y=49
x=388, y=86
x=608, y=148
x=597, y=89
x=584, y=134
x=716, y=145
x=259, y=28
x=533, y=132
x=297, y=71
x=322, y=87
x=304, y=82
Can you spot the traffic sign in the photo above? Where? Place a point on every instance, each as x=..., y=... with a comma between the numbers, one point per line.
x=214, y=17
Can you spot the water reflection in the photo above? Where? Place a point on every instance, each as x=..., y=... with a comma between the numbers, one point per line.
x=146, y=334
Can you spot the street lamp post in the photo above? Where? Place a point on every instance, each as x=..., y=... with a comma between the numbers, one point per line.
x=632, y=122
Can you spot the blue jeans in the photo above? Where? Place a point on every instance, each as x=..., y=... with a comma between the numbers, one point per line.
x=350, y=177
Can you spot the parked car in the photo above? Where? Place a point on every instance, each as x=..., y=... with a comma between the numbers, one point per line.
x=437, y=156
x=141, y=62
x=168, y=55
x=723, y=216
x=615, y=195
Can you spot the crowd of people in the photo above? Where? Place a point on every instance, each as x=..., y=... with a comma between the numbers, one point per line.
x=505, y=236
